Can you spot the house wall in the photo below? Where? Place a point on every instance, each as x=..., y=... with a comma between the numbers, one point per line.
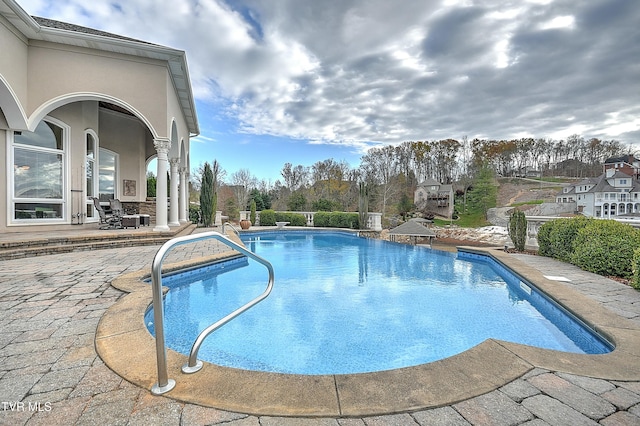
x=175, y=111
x=40, y=77
x=57, y=71
x=3, y=177
x=13, y=75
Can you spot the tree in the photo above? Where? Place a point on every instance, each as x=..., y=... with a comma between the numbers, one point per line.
x=297, y=202
x=243, y=181
x=151, y=184
x=518, y=229
x=294, y=177
x=405, y=205
x=380, y=168
x=363, y=204
x=483, y=194
x=252, y=214
x=207, y=207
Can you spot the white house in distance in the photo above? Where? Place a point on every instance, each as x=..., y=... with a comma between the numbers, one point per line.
x=82, y=113
x=612, y=194
x=434, y=196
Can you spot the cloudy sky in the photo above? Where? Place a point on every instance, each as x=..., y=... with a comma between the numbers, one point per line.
x=305, y=80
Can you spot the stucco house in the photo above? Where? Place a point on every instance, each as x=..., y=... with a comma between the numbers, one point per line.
x=434, y=196
x=82, y=113
x=610, y=195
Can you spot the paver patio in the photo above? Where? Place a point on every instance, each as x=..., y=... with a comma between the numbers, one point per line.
x=51, y=374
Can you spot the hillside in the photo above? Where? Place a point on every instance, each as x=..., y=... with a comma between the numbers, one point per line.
x=518, y=190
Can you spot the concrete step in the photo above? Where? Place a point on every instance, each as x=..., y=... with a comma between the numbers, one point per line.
x=45, y=245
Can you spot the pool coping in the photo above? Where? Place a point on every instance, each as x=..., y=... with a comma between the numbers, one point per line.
x=125, y=345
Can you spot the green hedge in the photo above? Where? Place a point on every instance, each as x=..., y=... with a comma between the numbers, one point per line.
x=555, y=238
x=267, y=218
x=294, y=219
x=635, y=281
x=605, y=247
x=270, y=217
x=336, y=220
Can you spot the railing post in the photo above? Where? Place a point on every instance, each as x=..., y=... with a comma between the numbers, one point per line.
x=164, y=383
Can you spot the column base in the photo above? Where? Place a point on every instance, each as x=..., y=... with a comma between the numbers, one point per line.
x=161, y=229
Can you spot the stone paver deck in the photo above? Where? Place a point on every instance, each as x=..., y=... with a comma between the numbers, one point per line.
x=50, y=372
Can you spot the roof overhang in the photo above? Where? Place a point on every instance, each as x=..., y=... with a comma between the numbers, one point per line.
x=176, y=59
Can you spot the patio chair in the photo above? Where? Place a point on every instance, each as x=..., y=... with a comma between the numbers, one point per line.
x=116, y=207
x=113, y=221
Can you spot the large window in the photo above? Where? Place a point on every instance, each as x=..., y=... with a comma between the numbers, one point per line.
x=38, y=173
x=107, y=175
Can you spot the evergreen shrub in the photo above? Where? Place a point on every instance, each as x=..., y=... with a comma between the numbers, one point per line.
x=267, y=218
x=294, y=219
x=518, y=229
x=635, y=280
x=336, y=220
x=252, y=212
x=194, y=214
x=606, y=247
x=555, y=238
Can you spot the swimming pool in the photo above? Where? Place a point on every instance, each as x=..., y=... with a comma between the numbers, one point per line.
x=343, y=304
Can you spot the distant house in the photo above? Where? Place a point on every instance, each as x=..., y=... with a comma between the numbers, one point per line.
x=625, y=164
x=82, y=114
x=611, y=194
x=434, y=196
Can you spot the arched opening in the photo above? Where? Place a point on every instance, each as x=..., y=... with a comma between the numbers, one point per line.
x=10, y=107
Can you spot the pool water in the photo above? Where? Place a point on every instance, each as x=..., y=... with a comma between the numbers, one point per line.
x=343, y=304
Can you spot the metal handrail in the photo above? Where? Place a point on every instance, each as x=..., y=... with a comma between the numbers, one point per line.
x=164, y=383
x=232, y=227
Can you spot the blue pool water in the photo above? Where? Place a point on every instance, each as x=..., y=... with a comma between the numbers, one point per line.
x=343, y=304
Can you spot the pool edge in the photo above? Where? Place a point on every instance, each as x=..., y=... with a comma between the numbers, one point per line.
x=440, y=383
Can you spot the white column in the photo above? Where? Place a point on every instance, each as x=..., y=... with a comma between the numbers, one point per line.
x=162, y=148
x=175, y=198
x=184, y=196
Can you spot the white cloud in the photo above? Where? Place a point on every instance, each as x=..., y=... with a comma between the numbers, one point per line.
x=566, y=21
x=358, y=72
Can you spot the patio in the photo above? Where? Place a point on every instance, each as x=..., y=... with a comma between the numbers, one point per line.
x=51, y=374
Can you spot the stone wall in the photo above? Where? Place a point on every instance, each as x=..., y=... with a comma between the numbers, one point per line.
x=141, y=207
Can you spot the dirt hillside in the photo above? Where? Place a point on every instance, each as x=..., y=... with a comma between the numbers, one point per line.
x=515, y=190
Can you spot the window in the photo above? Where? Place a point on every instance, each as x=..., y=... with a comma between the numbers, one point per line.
x=39, y=163
x=90, y=172
x=107, y=175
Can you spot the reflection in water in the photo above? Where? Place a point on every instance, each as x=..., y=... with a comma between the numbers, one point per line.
x=342, y=304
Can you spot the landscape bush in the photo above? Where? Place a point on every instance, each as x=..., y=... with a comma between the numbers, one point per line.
x=194, y=214
x=518, y=229
x=252, y=212
x=555, y=238
x=336, y=220
x=635, y=280
x=606, y=247
x=267, y=218
x=294, y=219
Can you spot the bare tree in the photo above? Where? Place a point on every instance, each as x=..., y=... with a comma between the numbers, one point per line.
x=243, y=182
x=294, y=177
